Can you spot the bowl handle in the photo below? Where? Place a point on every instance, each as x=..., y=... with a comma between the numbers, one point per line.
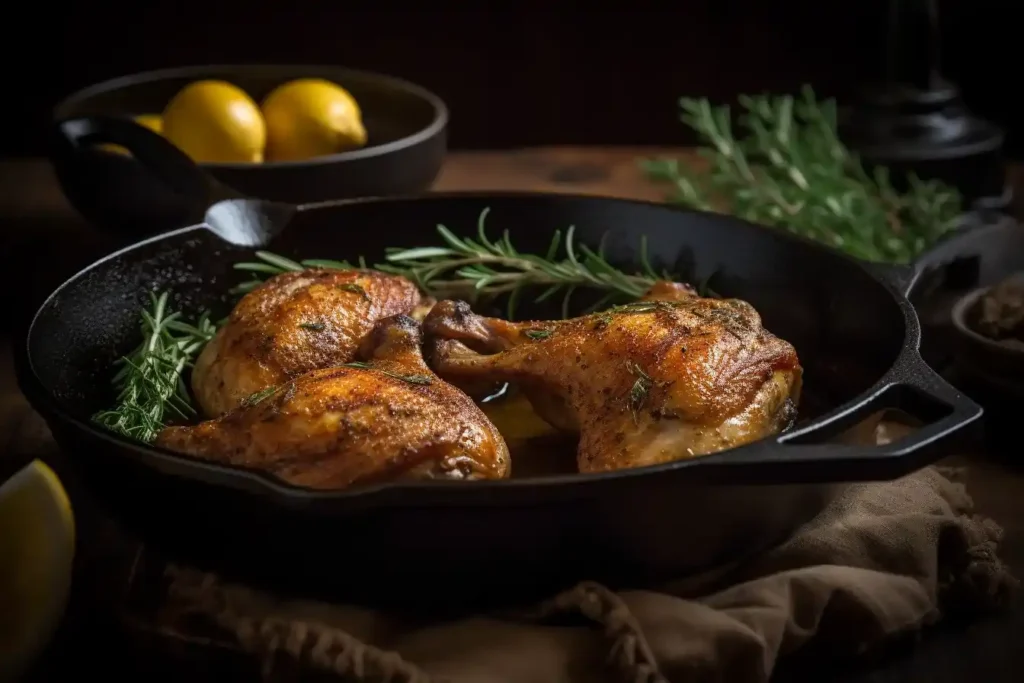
x=163, y=159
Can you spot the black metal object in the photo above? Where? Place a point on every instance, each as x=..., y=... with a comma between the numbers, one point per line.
x=456, y=543
x=916, y=122
x=406, y=125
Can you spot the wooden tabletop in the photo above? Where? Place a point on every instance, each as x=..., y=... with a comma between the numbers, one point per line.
x=42, y=241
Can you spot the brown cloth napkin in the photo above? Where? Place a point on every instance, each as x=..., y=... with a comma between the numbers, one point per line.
x=883, y=560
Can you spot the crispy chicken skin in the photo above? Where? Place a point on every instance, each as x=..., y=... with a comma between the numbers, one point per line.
x=336, y=427
x=673, y=376
x=293, y=323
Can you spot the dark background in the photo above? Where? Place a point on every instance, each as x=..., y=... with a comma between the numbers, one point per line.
x=512, y=78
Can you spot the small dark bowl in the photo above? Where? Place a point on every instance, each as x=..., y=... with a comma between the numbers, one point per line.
x=989, y=371
x=406, y=126
x=998, y=364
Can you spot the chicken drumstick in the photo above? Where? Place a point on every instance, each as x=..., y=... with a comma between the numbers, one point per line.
x=670, y=377
x=387, y=418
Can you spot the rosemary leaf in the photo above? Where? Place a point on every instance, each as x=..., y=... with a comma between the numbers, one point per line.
x=246, y=287
x=411, y=379
x=419, y=253
x=258, y=267
x=280, y=261
x=327, y=264
x=258, y=397
x=353, y=288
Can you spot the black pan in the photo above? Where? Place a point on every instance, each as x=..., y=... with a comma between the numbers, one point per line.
x=436, y=542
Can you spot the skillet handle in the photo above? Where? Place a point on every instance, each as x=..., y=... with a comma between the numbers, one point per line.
x=912, y=387
x=981, y=234
x=161, y=158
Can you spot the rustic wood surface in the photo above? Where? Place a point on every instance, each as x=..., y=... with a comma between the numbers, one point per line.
x=42, y=241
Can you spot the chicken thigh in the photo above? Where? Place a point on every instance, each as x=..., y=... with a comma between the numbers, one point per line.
x=386, y=418
x=293, y=323
x=673, y=376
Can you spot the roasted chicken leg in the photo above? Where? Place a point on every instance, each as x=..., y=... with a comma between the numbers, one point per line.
x=670, y=377
x=293, y=323
x=386, y=418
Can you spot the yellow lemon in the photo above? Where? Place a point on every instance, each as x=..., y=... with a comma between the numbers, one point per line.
x=215, y=122
x=37, y=547
x=152, y=121
x=310, y=117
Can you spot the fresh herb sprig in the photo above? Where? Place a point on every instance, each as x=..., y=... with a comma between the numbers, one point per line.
x=640, y=390
x=786, y=167
x=271, y=264
x=151, y=390
x=469, y=268
x=411, y=379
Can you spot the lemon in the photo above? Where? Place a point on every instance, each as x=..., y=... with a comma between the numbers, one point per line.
x=311, y=117
x=215, y=122
x=152, y=121
x=37, y=546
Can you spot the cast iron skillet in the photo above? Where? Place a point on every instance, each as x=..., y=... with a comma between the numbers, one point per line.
x=430, y=543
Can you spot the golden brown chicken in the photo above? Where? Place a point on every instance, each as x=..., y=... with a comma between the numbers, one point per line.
x=386, y=418
x=293, y=323
x=673, y=376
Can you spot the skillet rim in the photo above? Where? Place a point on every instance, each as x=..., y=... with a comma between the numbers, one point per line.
x=253, y=481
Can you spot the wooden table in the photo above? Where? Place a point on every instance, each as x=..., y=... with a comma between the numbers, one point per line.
x=43, y=241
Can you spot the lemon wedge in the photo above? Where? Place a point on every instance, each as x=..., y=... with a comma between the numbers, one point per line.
x=37, y=547
x=215, y=122
x=311, y=117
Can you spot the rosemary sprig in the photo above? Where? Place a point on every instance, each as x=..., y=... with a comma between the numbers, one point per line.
x=151, y=390
x=640, y=390
x=789, y=169
x=469, y=268
x=271, y=264
x=411, y=379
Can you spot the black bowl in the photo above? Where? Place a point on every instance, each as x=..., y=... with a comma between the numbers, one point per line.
x=406, y=126
x=998, y=363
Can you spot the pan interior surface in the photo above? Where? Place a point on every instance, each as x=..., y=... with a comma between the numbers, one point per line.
x=846, y=326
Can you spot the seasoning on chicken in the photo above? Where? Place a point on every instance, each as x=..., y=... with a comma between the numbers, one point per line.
x=293, y=323
x=671, y=377
x=388, y=417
